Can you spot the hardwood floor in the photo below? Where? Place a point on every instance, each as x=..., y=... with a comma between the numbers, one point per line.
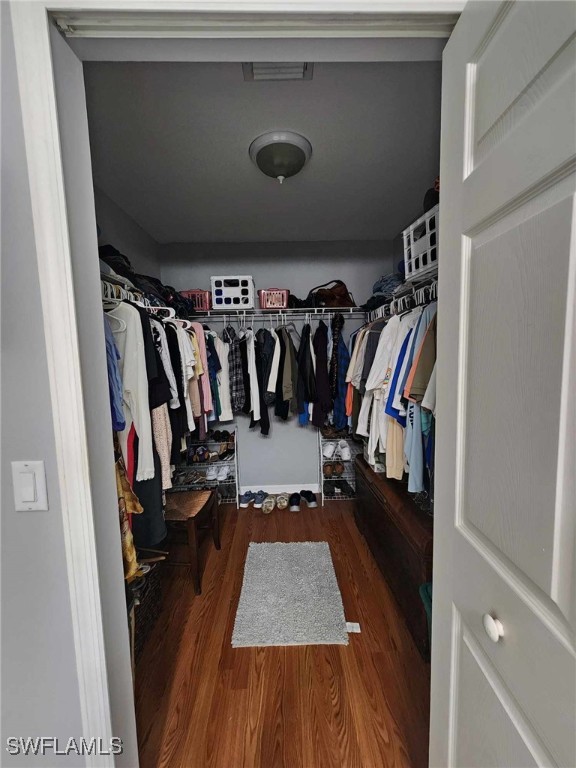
x=202, y=704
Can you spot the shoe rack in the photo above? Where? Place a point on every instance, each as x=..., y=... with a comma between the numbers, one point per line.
x=192, y=475
x=342, y=486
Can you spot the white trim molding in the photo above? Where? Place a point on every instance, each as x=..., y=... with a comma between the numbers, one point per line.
x=39, y=116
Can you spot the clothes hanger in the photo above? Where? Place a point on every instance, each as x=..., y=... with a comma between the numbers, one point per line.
x=290, y=324
x=171, y=312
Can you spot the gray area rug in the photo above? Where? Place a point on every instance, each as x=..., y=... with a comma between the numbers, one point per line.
x=289, y=596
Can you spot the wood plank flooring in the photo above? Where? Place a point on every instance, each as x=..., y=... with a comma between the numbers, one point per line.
x=202, y=704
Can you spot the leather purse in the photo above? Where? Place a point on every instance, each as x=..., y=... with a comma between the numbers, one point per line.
x=332, y=294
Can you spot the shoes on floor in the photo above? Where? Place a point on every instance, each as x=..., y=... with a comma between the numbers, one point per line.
x=247, y=498
x=294, y=502
x=309, y=498
x=344, y=451
x=223, y=474
x=269, y=504
x=282, y=500
x=259, y=499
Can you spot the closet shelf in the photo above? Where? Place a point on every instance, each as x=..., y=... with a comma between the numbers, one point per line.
x=270, y=313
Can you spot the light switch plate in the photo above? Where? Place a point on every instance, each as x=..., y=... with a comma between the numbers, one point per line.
x=29, y=482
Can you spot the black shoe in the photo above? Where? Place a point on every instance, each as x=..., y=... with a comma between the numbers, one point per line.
x=309, y=498
x=294, y=502
x=344, y=488
x=329, y=488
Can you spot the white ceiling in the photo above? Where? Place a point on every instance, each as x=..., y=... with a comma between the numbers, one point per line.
x=170, y=146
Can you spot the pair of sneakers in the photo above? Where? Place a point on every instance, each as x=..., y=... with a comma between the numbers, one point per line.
x=307, y=496
x=221, y=474
x=249, y=497
x=340, y=449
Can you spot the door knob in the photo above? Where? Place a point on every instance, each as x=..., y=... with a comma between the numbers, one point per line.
x=493, y=627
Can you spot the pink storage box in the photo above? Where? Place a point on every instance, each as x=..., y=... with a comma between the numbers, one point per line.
x=273, y=298
x=202, y=300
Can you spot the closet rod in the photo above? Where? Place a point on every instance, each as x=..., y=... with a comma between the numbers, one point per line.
x=217, y=314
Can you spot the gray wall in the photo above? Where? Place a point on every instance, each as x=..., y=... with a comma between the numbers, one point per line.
x=288, y=456
x=73, y=123
x=39, y=681
x=297, y=266
x=121, y=231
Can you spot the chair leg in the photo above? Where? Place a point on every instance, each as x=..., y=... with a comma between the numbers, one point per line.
x=194, y=554
x=215, y=521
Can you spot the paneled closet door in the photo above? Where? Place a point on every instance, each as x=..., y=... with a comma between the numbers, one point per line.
x=504, y=614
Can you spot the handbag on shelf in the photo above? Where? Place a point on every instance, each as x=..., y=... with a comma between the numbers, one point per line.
x=331, y=294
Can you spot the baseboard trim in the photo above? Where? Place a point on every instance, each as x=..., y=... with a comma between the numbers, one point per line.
x=314, y=487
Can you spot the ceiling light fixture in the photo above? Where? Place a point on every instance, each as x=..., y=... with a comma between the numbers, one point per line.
x=280, y=154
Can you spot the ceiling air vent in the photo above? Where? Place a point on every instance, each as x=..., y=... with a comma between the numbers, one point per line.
x=277, y=70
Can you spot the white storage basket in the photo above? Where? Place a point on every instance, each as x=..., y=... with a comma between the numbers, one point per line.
x=232, y=292
x=421, y=245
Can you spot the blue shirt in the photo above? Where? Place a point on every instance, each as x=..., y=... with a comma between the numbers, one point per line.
x=114, y=379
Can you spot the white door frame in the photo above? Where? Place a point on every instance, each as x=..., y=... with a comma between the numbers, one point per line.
x=31, y=24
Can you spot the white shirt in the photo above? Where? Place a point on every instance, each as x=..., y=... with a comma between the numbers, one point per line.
x=132, y=364
x=254, y=388
x=275, y=363
x=222, y=350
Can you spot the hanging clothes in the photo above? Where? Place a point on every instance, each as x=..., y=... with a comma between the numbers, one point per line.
x=282, y=405
x=264, y=420
x=306, y=387
x=132, y=366
x=340, y=419
x=337, y=325
x=323, y=404
x=214, y=368
x=128, y=504
x=161, y=342
x=162, y=432
x=266, y=348
x=178, y=416
x=223, y=351
x=237, y=391
x=114, y=379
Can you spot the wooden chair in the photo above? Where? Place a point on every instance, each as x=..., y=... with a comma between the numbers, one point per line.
x=198, y=510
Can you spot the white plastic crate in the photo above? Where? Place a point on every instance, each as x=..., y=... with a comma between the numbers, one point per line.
x=232, y=292
x=421, y=245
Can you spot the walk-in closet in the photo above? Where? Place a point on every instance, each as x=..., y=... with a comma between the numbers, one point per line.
x=290, y=318
x=287, y=283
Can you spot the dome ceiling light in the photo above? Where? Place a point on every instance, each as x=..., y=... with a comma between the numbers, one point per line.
x=280, y=154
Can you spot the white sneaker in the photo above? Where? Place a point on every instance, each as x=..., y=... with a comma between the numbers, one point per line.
x=223, y=474
x=328, y=450
x=344, y=450
x=212, y=473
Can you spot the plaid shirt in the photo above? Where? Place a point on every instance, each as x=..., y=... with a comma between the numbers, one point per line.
x=237, y=393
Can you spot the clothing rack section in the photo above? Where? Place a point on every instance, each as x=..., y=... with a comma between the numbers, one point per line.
x=392, y=388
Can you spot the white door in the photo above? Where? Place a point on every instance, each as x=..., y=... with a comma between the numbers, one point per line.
x=506, y=429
